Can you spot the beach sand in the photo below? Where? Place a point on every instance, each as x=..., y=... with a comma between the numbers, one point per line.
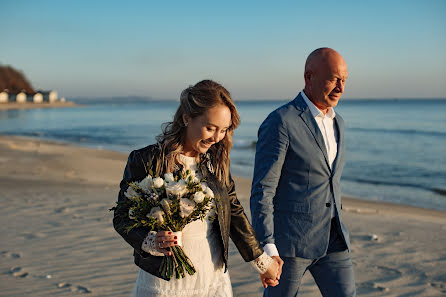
x=31, y=105
x=57, y=237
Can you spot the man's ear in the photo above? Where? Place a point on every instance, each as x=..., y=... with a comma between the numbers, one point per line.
x=307, y=77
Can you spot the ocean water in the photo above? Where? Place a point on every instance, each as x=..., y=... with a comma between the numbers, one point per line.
x=396, y=149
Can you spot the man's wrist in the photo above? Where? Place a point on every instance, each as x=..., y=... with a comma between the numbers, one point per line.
x=271, y=249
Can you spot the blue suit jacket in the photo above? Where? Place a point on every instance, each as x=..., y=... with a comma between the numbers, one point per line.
x=293, y=185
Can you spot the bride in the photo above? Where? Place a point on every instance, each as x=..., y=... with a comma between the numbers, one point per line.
x=199, y=139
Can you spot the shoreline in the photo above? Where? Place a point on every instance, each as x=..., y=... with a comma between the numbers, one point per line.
x=355, y=204
x=58, y=238
x=31, y=105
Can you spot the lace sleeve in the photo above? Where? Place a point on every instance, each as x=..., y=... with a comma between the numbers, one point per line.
x=148, y=244
x=262, y=263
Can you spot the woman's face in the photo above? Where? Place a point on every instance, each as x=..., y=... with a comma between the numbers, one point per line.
x=205, y=130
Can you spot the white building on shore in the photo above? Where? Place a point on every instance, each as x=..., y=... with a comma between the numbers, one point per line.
x=20, y=97
x=4, y=96
x=49, y=96
x=37, y=98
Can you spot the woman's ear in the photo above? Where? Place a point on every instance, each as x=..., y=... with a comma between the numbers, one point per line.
x=185, y=120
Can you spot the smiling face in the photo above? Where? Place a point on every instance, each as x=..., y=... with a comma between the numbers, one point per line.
x=205, y=130
x=325, y=76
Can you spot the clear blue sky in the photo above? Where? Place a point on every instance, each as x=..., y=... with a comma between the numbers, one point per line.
x=256, y=49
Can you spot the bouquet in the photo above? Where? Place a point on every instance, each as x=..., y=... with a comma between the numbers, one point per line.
x=168, y=204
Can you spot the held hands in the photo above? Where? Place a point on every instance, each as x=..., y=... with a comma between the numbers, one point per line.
x=272, y=275
x=166, y=239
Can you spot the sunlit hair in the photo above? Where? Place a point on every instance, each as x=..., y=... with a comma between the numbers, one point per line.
x=194, y=102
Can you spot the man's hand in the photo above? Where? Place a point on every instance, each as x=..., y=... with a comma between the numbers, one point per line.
x=280, y=263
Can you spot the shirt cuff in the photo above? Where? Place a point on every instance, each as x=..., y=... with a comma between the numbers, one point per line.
x=271, y=249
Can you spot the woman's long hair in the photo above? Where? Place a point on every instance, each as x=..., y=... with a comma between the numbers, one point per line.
x=195, y=101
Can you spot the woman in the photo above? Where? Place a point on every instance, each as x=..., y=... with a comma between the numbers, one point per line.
x=199, y=139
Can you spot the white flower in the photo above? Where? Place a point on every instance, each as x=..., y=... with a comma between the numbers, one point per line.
x=199, y=197
x=131, y=214
x=146, y=183
x=207, y=191
x=158, y=182
x=130, y=193
x=176, y=189
x=156, y=213
x=186, y=207
x=168, y=177
x=196, y=180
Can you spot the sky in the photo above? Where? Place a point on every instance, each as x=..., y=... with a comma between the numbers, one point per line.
x=256, y=49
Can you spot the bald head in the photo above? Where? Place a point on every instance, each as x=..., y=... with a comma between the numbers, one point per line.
x=325, y=75
x=322, y=56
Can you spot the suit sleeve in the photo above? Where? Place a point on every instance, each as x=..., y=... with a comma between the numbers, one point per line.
x=271, y=149
x=134, y=171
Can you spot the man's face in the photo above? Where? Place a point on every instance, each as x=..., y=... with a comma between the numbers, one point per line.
x=326, y=82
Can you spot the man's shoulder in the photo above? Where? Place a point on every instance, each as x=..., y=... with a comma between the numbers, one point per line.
x=286, y=111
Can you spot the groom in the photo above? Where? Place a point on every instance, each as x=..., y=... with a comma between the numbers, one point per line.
x=295, y=198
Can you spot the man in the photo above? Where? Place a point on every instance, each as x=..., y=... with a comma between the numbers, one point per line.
x=295, y=197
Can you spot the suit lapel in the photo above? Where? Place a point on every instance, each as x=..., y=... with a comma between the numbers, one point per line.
x=311, y=123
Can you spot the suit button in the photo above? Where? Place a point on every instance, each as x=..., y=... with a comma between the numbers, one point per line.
x=328, y=204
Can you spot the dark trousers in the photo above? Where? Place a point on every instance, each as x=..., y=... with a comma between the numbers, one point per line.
x=333, y=273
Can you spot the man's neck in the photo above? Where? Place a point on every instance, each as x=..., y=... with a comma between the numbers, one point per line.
x=324, y=111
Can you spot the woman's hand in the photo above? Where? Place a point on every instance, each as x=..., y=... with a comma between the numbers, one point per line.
x=165, y=239
x=272, y=275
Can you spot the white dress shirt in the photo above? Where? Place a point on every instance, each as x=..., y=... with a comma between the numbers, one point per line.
x=326, y=125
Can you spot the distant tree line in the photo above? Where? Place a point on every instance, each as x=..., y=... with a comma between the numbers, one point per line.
x=14, y=81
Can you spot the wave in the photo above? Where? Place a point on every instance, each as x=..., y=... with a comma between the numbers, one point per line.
x=401, y=131
x=439, y=191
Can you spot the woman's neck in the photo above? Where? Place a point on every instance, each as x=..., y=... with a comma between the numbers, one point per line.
x=189, y=154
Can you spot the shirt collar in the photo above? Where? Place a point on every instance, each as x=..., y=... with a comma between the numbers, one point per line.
x=316, y=112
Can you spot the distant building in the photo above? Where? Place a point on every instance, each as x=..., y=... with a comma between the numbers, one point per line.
x=4, y=96
x=49, y=96
x=20, y=97
x=37, y=98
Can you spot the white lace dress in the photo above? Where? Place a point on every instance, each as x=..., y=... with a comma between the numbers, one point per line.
x=201, y=244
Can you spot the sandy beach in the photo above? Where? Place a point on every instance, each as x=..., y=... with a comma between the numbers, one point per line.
x=57, y=237
x=31, y=105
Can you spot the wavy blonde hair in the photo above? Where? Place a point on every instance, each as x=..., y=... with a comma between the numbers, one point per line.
x=194, y=102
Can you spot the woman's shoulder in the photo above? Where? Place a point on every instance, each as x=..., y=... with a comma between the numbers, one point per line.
x=145, y=154
x=150, y=149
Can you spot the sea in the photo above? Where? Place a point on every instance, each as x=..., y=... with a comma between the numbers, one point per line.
x=396, y=149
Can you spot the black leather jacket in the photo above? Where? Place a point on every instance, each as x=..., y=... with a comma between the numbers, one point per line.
x=232, y=221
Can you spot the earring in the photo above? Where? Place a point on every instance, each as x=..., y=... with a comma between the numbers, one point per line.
x=185, y=124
